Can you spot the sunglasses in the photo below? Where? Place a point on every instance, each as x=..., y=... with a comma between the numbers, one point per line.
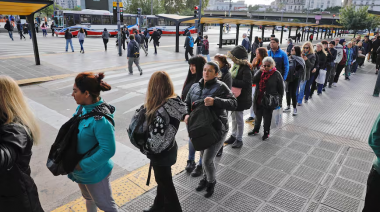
x=266, y=66
x=305, y=47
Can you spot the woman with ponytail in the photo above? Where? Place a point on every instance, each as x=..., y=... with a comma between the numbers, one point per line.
x=93, y=172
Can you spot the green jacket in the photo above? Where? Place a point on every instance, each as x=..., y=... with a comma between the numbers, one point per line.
x=374, y=142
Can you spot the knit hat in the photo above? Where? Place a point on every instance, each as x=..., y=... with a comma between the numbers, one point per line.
x=332, y=42
x=342, y=41
x=239, y=55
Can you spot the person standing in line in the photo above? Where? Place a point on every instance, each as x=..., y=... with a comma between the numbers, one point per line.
x=271, y=37
x=246, y=43
x=189, y=46
x=331, y=57
x=195, y=74
x=19, y=29
x=81, y=36
x=360, y=56
x=242, y=89
x=199, y=42
x=298, y=68
x=290, y=47
x=255, y=46
x=215, y=95
x=311, y=84
x=342, y=62
x=93, y=172
x=268, y=80
x=155, y=37
x=133, y=55
x=105, y=37
x=322, y=59
x=349, y=62
x=19, y=131
x=8, y=26
x=367, y=44
x=339, y=56
x=68, y=37
x=43, y=28
x=205, y=48
x=310, y=58
x=261, y=53
x=123, y=37
x=354, y=56
x=36, y=25
x=375, y=46
x=377, y=61
x=164, y=112
x=280, y=57
x=142, y=43
x=260, y=42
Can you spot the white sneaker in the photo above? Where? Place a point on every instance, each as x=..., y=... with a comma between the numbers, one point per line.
x=295, y=112
x=353, y=73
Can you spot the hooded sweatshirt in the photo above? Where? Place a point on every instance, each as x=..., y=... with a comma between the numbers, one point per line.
x=339, y=53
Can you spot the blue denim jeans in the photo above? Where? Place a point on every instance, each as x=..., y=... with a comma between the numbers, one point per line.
x=10, y=34
x=192, y=153
x=308, y=86
x=208, y=57
x=319, y=88
x=81, y=44
x=71, y=44
x=301, y=92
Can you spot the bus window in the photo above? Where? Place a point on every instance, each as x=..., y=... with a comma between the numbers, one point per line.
x=161, y=22
x=77, y=18
x=85, y=19
x=69, y=20
x=96, y=19
x=133, y=20
x=106, y=19
x=126, y=20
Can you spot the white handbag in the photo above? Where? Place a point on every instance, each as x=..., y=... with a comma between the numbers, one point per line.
x=321, y=76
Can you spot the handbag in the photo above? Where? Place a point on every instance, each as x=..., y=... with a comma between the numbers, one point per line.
x=270, y=101
x=321, y=76
x=236, y=91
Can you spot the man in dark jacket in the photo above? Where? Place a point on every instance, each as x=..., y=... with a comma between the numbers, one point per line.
x=199, y=42
x=375, y=46
x=367, y=44
x=189, y=46
x=19, y=28
x=155, y=37
x=331, y=56
x=8, y=26
x=298, y=37
x=137, y=36
x=142, y=43
x=133, y=55
x=246, y=43
x=123, y=37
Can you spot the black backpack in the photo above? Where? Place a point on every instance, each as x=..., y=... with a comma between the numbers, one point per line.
x=63, y=155
x=135, y=49
x=292, y=74
x=138, y=130
x=203, y=126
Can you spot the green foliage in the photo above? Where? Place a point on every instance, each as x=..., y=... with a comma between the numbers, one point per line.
x=182, y=7
x=353, y=19
x=48, y=11
x=145, y=6
x=253, y=8
x=372, y=22
x=77, y=8
x=296, y=20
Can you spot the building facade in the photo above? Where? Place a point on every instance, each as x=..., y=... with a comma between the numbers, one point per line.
x=68, y=4
x=224, y=5
x=322, y=4
x=372, y=4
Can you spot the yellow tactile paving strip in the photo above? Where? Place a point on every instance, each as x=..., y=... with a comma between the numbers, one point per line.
x=131, y=185
x=56, y=77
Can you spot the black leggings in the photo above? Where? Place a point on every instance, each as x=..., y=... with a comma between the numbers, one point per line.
x=267, y=114
x=291, y=94
x=105, y=41
x=339, y=70
x=373, y=192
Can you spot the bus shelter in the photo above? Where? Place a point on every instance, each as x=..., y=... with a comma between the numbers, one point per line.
x=26, y=8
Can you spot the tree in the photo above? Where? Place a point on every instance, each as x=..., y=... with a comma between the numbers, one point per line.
x=372, y=22
x=352, y=19
x=145, y=6
x=253, y=8
x=77, y=8
x=48, y=11
x=296, y=20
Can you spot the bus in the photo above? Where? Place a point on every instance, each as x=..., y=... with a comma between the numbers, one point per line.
x=94, y=22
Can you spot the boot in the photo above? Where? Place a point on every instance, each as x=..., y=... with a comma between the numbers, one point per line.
x=253, y=132
x=266, y=135
x=154, y=208
x=220, y=152
x=210, y=189
x=197, y=171
x=230, y=140
x=190, y=166
x=202, y=184
x=237, y=144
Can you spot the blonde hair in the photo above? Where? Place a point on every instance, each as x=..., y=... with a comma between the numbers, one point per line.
x=311, y=48
x=323, y=49
x=160, y=89
x=13, y=107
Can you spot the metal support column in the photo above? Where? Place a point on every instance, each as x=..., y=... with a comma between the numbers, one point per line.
x=282, y=32
x=325, y=32
x=317, y=33
x=237, y=34
x=34, y=38
x=177, y=36
x=273, y=29
x=308, y=31
x=220, y=35
x=251, y=34
x=302, y=34
x=290, y=31
x=262, y=33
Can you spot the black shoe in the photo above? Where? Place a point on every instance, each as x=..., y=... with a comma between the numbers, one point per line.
x=230, y=140
x=210, y=189
x=140, y=72
x=311, y=96
x=330, y=86
x=198, y=171
x=202, y=185
x=220, y=152
x=253, y=132
x=190, y=166
x=154, y=208
x=237, y=144
x=266, y=135
x=323, y=89
x=249, y=119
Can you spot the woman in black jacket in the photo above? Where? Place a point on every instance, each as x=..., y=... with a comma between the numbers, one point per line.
x=321, y=72
x=255, y=45
x=242, y=89
x=18, y=132
x=268, y=80
x=195, y=73
x=214, y=94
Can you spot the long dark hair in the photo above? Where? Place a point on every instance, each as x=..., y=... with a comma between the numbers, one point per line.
x=298, y=51
x=257, y=40
x=199, y=63
x=262, y=53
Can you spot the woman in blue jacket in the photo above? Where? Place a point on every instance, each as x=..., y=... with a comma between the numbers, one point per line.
x=92, y=173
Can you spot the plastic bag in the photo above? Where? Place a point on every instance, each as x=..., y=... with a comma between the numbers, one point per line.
x=277, y=118
x=321, y=76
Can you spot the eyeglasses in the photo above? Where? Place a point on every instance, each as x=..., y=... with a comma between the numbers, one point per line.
x=305, y=47
x=266, y=66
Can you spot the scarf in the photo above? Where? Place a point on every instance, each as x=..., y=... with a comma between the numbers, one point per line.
x=234, y=70
x=263, y=82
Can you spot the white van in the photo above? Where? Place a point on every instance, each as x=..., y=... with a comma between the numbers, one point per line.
x=279, y=28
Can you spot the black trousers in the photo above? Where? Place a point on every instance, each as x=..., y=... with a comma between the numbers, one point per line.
x=188, y=51
x=146, y=43
x=374, y=57
x=260, y=113
x=52, y=32
x=123, y=42
x=21, y=35
x=155, y=46
x=166, y=194
x=105, y=41
x=291, y=94
x=372, y=203
x=36, y=29
x=339, y=69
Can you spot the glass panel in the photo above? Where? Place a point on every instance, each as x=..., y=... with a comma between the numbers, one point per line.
x=106, y=19
x=85, y=19
x=96, y=19
x=76, y=18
